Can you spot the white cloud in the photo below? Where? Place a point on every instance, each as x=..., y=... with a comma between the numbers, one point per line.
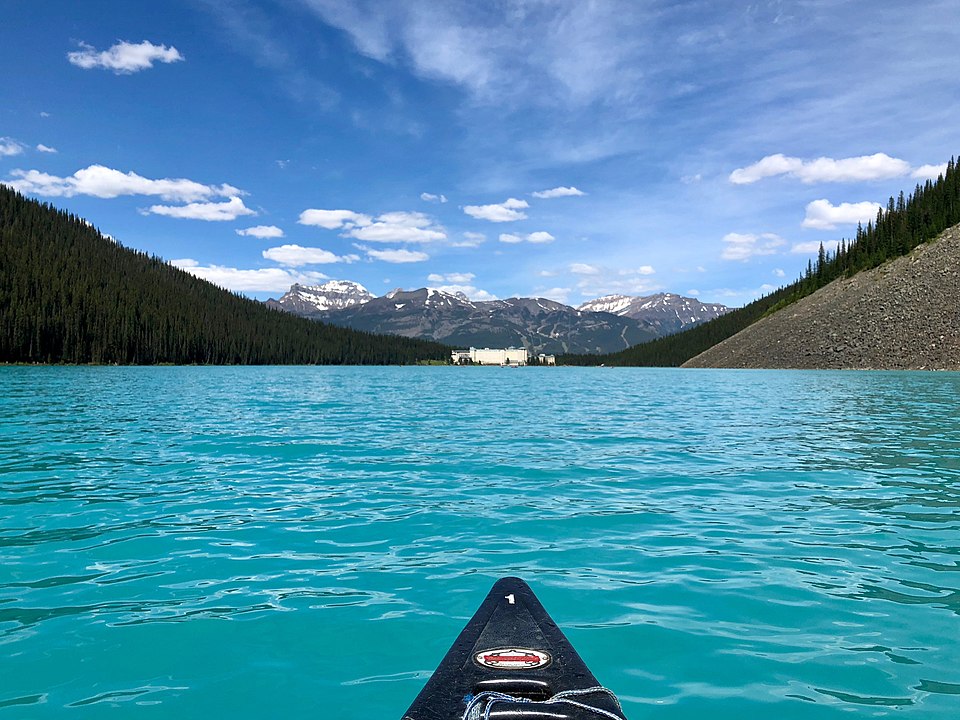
x=333, y=219
x=823, y=215
x=743, y=246
x=507, y=211
x=879, y=166
x=124, y=58
x=584, y=269
x=470, y=240
x=261, y=231
x=470, y=291
x=642, y=270
x=537, y=238
x=409, y=227
x=929, y=172
x=778, y=272
x=45, y=148
x=295, y=256
x=262, y=280
x=540, y=237
x=9, y=146
x=560, y=294
x=461, y=278
x=430, y=197
x=211, y=211
x=805, y=248
x=397, y=256
x=558, y=192
x=104, y=182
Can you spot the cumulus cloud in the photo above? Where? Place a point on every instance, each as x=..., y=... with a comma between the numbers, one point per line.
x=397, y=256
x=805, y=248
x=507, y=211
x=929, y=172
x=9, y=147
x=642, y=270
x=470, y=291
x=879, y=166
x=470, y=240
x=462, y=278
x=260, y=280
x=261, y=231
x=408, y=227
x=430, y=197
x=45, y=148
x=584, y=269
x=333, y=219
x=210, y=211
x=540, y=237
x=296, y=256
x=124, y=58
x=743, y=246
x=559, y=294
x=537, y=238
x=558, y=192
x=824, y=215
x=104, y=182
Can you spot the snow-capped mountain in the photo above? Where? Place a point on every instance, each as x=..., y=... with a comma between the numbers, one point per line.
x=539, y=324
x=312, y=299
x=667, y=311
x=536, y=323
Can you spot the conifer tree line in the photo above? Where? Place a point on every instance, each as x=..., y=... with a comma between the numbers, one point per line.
x=902, y=225
x=69, y=295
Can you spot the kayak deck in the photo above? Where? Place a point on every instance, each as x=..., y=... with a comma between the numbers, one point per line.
x=512, y=661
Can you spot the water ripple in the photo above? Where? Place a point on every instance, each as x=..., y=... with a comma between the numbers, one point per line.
x=246, y=541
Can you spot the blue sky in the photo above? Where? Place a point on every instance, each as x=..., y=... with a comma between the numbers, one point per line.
x=565, y=149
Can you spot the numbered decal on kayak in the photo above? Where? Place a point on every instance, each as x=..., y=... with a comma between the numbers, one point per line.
x=512, y=658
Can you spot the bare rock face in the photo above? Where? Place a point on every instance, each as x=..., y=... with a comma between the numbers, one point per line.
x=903, y=315
x=669, y=312
x=309, y=300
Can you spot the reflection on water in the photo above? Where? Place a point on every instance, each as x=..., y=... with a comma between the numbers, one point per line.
x=276, y=541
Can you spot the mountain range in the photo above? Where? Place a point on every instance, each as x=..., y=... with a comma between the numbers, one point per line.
x=607, y=324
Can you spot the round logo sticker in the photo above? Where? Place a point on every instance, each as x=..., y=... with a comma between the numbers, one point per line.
x=512, y=658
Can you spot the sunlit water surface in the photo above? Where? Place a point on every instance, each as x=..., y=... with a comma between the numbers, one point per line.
x=307, y=542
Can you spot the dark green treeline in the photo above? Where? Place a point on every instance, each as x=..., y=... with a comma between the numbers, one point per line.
x=901, y=226
x=69, y=295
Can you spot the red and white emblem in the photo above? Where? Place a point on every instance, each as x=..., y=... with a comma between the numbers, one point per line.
x=512, y=658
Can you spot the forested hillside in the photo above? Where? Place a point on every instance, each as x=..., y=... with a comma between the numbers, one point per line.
x=900, y=227
x=69, y=295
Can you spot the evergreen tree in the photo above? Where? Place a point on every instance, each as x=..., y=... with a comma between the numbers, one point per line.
x=69, y=295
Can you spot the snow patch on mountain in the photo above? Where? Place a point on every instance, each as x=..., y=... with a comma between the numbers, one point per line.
x=333, y=295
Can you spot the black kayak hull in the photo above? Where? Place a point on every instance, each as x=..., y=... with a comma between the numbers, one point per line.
x=511, y=646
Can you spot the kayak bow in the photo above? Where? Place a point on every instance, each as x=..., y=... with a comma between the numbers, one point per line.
x=512, y=661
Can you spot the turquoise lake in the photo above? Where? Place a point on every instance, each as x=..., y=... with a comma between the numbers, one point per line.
x=288, y=542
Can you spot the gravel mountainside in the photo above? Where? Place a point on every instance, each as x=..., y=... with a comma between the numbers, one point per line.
x=903, y=315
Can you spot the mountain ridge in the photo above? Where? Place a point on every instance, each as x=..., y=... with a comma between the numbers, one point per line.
x=540, y=324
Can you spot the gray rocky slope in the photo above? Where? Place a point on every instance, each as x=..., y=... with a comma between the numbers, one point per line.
x=904, y=314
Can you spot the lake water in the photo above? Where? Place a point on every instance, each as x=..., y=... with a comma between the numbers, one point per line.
x=307, y=542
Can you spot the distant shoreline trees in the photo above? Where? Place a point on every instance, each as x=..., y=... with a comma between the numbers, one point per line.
x=68, y=295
